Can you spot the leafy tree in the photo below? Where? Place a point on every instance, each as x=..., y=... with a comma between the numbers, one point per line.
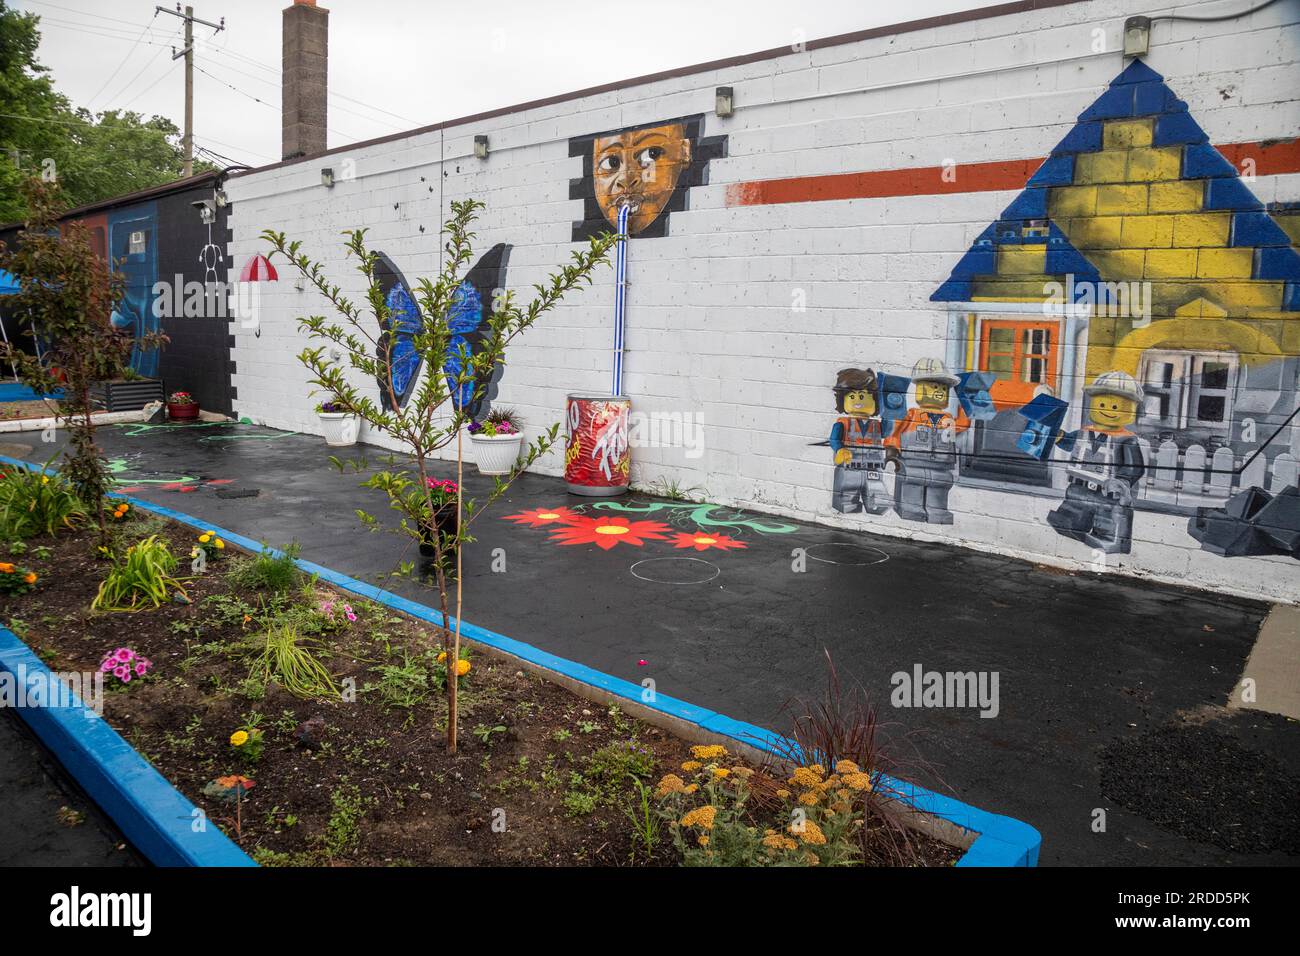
x=431, y=420
x=93, y=156
x=68, y=293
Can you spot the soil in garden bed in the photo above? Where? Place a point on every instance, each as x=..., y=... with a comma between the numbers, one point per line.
x=541, y=776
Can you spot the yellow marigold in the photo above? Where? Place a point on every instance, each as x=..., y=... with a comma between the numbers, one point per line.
x=30, y=577
x=204, y=538
x=219, y=544
x=701, y=817
x=709, y=751
x=462, y=668
x=6, y=567
x=807, y=776
x=691, y=765
x=847, y=766
x=239, y=738
x=808, y=831
x=858, y=781
x=808, y=798
x=721, y=772
x=691, y=788
x=704, y=839
x=442, y=657
x=671, y=783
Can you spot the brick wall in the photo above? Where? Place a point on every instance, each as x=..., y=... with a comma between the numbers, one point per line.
x=843, y=227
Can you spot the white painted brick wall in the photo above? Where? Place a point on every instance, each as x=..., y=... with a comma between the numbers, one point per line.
x=711, y=326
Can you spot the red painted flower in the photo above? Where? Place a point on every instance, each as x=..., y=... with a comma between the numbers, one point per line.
x=607, y=532
x=537, y=517
x=703, y=541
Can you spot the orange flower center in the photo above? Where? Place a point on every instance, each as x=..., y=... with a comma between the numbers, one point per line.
x=611, y=529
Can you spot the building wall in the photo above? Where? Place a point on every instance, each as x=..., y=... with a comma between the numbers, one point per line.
x=816, y=230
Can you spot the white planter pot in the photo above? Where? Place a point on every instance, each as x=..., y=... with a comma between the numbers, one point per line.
x=496, y=456
x=340, y=429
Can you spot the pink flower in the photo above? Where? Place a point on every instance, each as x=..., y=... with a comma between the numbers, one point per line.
x=121, y=672
x=351, y=616
x=123, y=654
x=141, y=669
x=126, y=678
x=107, y=665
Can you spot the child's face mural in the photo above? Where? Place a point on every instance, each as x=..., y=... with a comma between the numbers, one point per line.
x=639, y=168
x=1111, y=411
x=860, y=404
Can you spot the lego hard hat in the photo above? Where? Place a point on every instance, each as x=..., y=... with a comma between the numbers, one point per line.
x=932, y=370
x=1114, y=383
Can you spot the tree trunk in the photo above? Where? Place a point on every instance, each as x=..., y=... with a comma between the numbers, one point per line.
x=453, y=659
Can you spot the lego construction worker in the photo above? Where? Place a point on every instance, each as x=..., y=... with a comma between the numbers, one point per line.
x=926, y=439
x=1105, y=463
x=857, y=441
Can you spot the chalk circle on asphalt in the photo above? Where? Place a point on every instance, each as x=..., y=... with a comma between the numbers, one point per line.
x=675, y=570
x=853, y=555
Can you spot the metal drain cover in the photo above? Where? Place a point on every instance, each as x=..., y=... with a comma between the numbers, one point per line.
x=238, y=492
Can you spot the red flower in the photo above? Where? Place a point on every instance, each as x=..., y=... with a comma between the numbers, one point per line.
x=537, y=517
x=607, y=532
x=702, y=541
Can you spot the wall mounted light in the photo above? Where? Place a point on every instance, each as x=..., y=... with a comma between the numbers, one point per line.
x=207, y=210
x=327, y=178
x=724, y=103
x=222, y=199
x=480, y=147
x=1137, y=36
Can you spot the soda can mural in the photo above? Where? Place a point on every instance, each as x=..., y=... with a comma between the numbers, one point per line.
x=596, y=458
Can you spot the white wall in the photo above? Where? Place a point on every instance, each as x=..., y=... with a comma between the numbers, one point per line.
x=711, y=328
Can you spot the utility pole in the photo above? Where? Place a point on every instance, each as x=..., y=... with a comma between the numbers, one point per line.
x=190, y=19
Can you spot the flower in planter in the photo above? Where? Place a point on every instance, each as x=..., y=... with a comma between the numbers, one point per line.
x=210, y=545
x=444, y=491
x=331, y=407
x=181, y=398
x=126, y=665
x=120, y=510
x=16, y=580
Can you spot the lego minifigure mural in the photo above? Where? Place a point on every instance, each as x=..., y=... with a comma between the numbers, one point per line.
x=1105, y=462
x=649, y=168
x=858, y=444
x=926, y=440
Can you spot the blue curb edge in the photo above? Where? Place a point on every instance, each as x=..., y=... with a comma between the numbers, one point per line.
x=149, y=811
x=1001, y=840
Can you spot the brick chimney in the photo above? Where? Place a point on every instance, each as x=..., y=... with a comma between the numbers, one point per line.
x=304, y=79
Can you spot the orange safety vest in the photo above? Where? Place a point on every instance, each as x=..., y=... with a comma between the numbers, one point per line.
x=857, y=437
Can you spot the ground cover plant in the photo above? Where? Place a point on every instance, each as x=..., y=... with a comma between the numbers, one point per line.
x=297, y=718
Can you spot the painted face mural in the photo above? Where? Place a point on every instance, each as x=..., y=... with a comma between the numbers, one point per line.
x=648, y=168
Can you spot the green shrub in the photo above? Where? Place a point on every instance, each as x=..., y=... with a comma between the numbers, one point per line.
x=36, y=502
x=268, y=570
x=288, y=660
x=144, y=576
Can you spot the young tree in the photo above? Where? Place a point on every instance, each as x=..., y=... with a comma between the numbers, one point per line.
x=434, y=415
x=67, y=295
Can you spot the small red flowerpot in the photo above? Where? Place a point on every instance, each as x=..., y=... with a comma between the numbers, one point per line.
x=183, y=413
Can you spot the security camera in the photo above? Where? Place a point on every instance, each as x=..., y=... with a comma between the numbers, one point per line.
x=207, y=210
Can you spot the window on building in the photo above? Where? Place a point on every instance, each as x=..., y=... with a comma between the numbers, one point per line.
x=135, y=245
x=1186, y=389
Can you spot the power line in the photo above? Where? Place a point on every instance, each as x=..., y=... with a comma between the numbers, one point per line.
x=113, y=75
x=256, y=99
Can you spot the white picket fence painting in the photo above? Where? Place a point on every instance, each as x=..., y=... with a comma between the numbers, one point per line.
x=1195, y=477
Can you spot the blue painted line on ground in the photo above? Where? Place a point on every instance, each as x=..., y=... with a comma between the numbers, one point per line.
x=149, y=811
x=1001, y=840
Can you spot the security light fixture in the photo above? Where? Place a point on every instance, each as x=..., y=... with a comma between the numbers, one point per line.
x=1137, y=36
x=207, y=210
x=327, y=178
x=222, y=199
x=480, y=146
x=724, y=103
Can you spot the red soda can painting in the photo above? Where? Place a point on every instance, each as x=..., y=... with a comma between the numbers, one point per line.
x=596, y=458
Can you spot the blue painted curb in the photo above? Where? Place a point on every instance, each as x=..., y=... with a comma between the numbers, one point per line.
x=149, y=811
x=1002, y=840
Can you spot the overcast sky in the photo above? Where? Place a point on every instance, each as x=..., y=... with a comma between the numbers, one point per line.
x=398, y=64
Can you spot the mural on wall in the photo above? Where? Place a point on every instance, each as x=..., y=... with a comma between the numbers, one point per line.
x=858, y=444
x=1126, y=336
x=467, y=318
x=132, y=246
x=648, y=168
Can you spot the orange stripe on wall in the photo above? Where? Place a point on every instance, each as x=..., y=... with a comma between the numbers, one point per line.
x=1269, y=159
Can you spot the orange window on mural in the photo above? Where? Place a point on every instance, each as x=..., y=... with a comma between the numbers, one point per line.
x=1022, y=355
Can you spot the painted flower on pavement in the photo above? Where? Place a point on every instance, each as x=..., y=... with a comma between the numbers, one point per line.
x=538, y=517
x=607, y=532
x=703, y=541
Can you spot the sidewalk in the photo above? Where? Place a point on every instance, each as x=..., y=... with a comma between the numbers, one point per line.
x=1083, y=661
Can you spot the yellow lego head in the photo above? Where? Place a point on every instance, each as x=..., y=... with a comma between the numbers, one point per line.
x=932, y=395
x=860, y=404
x=1111, y=411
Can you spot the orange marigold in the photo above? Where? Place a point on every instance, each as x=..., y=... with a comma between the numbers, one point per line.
x=701, y=817
x=671, y=783
x=858, y=781
x=808, y=831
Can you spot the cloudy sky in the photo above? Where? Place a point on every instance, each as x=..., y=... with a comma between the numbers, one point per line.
x=399, y=64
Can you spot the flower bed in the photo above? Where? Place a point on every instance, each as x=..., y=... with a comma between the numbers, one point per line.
x=347, y=764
